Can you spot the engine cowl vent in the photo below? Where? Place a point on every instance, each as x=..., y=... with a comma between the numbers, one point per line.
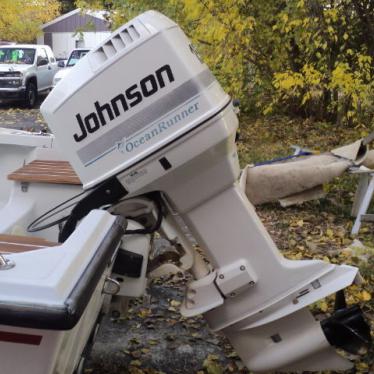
x=116, y=44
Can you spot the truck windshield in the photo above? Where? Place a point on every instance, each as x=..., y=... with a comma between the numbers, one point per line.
x=17, y=56
x=75, y=56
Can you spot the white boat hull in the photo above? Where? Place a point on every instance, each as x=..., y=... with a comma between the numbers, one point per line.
x=52, y=298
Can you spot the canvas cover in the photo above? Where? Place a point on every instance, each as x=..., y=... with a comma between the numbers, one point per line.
x=301, y=179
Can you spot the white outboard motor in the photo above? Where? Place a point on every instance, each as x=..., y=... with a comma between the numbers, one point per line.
x=142, y=113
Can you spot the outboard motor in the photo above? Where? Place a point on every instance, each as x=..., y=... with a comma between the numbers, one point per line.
x=141, y=113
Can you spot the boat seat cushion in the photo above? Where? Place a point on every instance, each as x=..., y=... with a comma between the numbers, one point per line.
x=17, y=244
x=45, y=171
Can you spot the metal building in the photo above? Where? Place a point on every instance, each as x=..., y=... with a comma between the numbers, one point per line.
x=74, y=30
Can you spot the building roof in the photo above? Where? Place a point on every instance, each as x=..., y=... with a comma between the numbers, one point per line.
x=70, y=21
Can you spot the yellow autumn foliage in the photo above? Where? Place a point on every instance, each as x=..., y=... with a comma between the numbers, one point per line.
x=291, y=57
x=20, y=20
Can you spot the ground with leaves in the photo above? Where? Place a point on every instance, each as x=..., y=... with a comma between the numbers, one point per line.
x=156, y=339
x=17, y=117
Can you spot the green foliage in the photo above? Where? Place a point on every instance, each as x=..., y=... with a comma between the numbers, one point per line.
x=312, y=58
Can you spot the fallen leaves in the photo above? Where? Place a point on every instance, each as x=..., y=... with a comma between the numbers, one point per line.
x=144, y=312
x=365, y=295
x=135, y=363
x=175, y=303
x=329, y=233
x=211, y=365
x=153, y=342
x=15, y=116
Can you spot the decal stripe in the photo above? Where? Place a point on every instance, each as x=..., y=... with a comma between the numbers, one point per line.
x=141, y=119
x=144, y=128
x=13, y=337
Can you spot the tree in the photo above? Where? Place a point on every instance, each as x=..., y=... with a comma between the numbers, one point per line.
x=20, y=20
x=312, y=58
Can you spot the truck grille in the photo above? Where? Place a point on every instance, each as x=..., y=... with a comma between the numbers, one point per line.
x=10, y=74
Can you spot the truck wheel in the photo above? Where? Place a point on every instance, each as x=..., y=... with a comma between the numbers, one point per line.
x=31, y=95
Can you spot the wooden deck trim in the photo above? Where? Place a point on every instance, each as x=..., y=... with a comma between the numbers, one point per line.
x=45, y=171
x=18, y=244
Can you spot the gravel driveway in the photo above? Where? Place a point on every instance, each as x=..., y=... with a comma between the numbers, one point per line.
x=154, y=338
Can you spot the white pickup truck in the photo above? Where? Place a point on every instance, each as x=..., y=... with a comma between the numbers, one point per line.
x=26, y=70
